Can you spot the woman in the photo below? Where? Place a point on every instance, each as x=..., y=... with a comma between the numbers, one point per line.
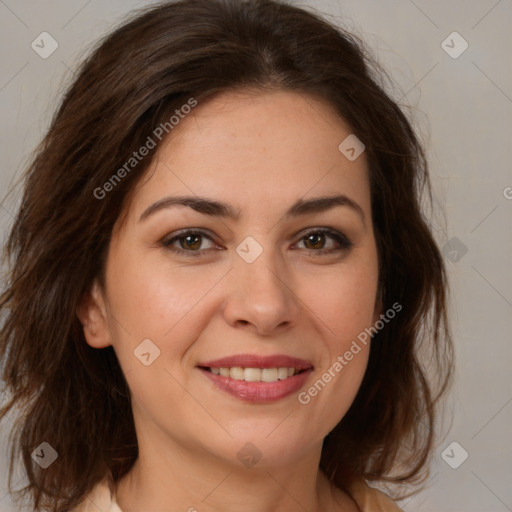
x=222, y=278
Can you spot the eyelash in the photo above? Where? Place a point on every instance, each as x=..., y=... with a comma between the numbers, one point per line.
x=342, y=240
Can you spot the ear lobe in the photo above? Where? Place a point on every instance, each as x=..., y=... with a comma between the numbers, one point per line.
x=91, y=312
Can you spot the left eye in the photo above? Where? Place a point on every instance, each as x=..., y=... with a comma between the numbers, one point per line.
x=317, y=237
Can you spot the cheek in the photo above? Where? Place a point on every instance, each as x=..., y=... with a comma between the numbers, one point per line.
x=344, y=307
x=343, y=301
x=158, y=302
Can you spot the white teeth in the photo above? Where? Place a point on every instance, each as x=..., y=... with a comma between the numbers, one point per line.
x=269, y=375
x=255, y=374
x=282, y=373
x=236, y=373
x=252, y=375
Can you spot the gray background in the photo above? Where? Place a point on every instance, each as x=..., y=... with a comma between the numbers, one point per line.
x=463, y=108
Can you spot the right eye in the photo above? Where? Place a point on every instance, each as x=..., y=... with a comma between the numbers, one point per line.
x=189, y=241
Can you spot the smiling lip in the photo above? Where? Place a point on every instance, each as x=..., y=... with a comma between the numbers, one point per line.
x=258, y=391
x=252, y=361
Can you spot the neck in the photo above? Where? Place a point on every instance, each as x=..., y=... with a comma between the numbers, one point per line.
x=183, y=480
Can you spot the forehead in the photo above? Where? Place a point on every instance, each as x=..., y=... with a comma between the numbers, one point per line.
x=246, y=147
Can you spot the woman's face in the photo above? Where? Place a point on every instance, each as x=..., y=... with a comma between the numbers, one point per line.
x=265, y=277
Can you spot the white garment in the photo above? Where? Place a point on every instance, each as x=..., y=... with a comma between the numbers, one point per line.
x=367, y=498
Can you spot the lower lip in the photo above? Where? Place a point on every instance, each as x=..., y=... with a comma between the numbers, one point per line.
x=258, y=391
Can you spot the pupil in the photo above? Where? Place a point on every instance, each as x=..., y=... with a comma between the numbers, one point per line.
x=317, y=237
x=192, y=245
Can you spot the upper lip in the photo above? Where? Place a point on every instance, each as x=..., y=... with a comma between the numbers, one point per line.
x=257, y=361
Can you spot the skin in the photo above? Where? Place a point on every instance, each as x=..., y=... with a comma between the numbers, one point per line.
x=260, y=152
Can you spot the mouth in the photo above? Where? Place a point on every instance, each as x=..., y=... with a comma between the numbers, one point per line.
x=254, y=374
x=257, y=379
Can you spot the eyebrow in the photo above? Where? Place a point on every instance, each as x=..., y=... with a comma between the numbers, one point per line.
x=223, y=210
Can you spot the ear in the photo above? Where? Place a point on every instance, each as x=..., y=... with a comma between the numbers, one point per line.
x=92, y=314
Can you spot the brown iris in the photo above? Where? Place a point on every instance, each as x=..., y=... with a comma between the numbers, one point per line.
x=193, y=245
x=317, y=239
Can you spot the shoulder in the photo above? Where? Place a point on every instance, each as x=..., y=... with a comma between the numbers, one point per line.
x=100, y=498
x=369, y=499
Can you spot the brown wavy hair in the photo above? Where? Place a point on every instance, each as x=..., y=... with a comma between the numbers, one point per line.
x=75, y=397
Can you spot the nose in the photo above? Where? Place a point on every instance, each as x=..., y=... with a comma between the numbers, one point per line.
x=261, y=296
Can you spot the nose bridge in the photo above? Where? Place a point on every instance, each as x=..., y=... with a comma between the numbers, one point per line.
x=263, y=275
x=262, y=271
x=261, y=292
x=257, y=256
